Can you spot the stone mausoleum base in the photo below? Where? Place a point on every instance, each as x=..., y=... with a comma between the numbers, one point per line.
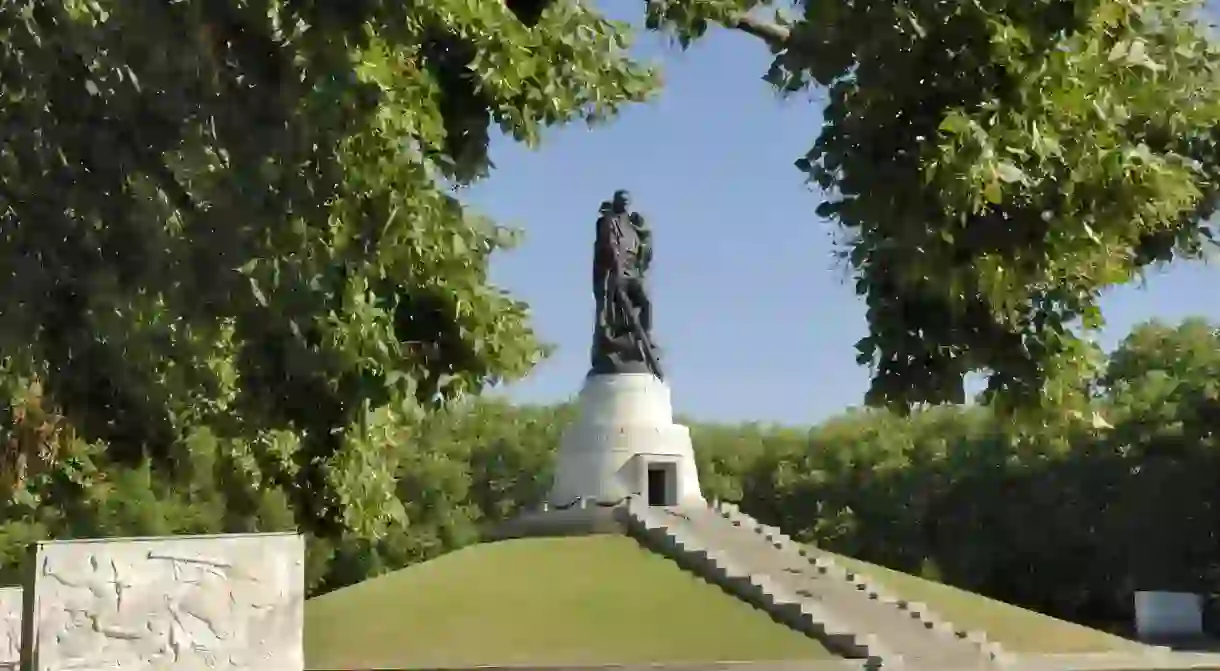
x=624, y=445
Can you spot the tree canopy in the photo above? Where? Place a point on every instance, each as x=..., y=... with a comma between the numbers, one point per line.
x=231, y=224
x=995, y=165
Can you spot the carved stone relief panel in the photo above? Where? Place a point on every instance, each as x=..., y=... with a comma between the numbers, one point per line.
x=10, y=627
x=212, y=603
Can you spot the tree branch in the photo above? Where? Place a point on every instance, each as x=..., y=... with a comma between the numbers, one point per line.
x=775, y=35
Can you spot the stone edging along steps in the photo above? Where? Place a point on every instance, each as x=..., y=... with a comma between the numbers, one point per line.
x=675, y=533
x=717, y=568
x=919, y=611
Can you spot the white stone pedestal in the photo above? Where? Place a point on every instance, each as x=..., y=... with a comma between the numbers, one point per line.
x=1168, y=615
x=624, y=442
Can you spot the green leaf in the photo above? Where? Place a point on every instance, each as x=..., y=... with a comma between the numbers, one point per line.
x=1010, y=173
x=956, y=124
x=993, y=192
x=258, y=293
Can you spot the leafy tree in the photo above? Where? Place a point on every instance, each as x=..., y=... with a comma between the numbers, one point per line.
x=995, y=165
x=1189, y=351
x=227, y=228
x=1163, y=388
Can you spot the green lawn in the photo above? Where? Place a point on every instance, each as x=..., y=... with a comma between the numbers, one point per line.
x=541, y=601
x=1017, y=629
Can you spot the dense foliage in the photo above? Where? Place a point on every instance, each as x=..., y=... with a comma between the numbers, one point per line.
x=239, y=294
x=1068, y=521
x=994, y=165
x=230, y=253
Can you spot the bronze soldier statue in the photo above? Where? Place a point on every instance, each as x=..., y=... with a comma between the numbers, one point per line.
x=622, y=254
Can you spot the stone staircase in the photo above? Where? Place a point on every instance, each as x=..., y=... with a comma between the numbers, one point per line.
x=804, y=589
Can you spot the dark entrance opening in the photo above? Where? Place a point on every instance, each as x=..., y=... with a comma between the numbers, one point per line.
x=661, y=484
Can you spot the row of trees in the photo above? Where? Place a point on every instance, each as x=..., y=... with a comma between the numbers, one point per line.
x=1068, y=520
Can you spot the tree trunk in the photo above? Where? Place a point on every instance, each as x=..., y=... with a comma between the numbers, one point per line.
x=776, y=36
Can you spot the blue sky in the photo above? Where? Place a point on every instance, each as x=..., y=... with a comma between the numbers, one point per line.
x=756, y=319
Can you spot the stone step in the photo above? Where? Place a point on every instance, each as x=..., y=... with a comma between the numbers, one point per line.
x=658, y=530
x=904, y=626
x=763, y=567
x=989, y=649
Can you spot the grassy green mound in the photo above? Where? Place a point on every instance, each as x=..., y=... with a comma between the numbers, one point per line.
x=1017, y=629
x=541, y=601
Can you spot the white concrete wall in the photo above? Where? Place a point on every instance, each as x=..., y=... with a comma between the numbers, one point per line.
x=208, y=603
x=1168, y=614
